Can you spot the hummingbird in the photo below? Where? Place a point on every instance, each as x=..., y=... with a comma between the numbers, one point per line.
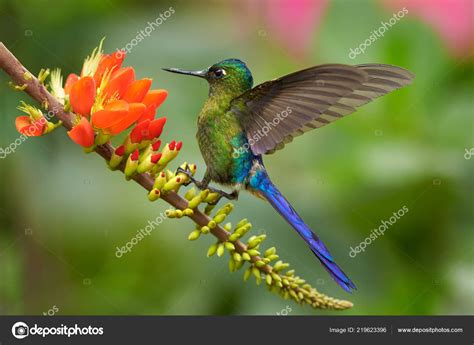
x=239, y=123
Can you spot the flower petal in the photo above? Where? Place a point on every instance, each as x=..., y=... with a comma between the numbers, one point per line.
x=155, y=128
x=108, y=62
x=149, y=114
x=155, y=97
x=30, y=129
x=139, y=131
x=119, y=82
x=137, y=90
x=136, y=110
x=82, y=133
x=111, y=115
x=82, y=95
x=71, y=79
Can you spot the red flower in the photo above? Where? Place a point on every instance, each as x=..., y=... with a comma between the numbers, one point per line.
x=82, y=133
x=119, y=82
x=31, y=128
x=155, y=128
x=110, y=63
x=110, y=115
x=113, y=99
x=82, y=95
x=71, y=79
x=153, y=99
x=137, y=90
x=139, y=131
x=135, y=111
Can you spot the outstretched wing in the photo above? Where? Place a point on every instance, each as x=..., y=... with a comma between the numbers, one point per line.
x=274, y=112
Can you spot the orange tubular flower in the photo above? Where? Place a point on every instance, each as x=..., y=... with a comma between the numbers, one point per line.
x=71, y=79
x=82, y=95
x=109, y=95
x=82, y=133
x=31, y=128
x=112, y=114
x=137, y=90
x=108, y=63
x=135, y=111
x=153, y=99
x=119, y=82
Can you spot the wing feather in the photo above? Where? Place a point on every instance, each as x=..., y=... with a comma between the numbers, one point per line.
x=311, y=98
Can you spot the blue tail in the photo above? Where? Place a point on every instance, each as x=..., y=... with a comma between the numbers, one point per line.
x=262, y=185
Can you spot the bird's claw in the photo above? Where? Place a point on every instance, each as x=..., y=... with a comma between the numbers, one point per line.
x=203, y=185
x=234, y=195
x=187, y=171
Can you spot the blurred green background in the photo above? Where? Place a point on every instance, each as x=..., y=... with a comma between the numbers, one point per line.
x=62, y=213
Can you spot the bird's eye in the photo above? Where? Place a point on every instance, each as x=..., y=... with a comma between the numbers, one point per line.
x=219, y=73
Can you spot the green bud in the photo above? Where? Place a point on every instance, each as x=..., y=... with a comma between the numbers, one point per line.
x=170, y=213
x=205, y=230
x=268, y=279
x=190, y=194
x=238, y=265
x=231, y=265
x=276, y=277
x=243, y=229
x=270, y=251
x=234, y=237
x=237, y=257
x=246, y=256
x=195, y=201
x=229, y=245
x=204, y=194
x=219, y=218
x=220, y=249
x=154, y=194
x=256, y=272
x=188, y=212
x=211, y=197
x=253, y=252
x=273, y=257
x=194, y=235
x=212, y=250
x=241, y=223
x=247, y=273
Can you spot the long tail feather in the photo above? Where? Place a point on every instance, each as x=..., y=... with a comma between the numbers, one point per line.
x=267, y=189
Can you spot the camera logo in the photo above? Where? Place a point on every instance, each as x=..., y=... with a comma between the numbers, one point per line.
x=20, y=330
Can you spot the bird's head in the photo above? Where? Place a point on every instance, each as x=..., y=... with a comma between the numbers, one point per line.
x=231, y=76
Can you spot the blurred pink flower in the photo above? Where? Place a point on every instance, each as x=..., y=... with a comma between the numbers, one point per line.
x=291, y=22
x=451, y=19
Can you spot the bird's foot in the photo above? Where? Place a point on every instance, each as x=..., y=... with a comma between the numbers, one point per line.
x=187, y=171
x=234, y=195
x=204, y=184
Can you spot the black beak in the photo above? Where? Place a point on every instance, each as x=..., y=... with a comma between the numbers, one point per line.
x=201, y=74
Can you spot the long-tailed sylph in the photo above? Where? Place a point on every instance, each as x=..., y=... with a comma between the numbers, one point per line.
x=238, y=124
